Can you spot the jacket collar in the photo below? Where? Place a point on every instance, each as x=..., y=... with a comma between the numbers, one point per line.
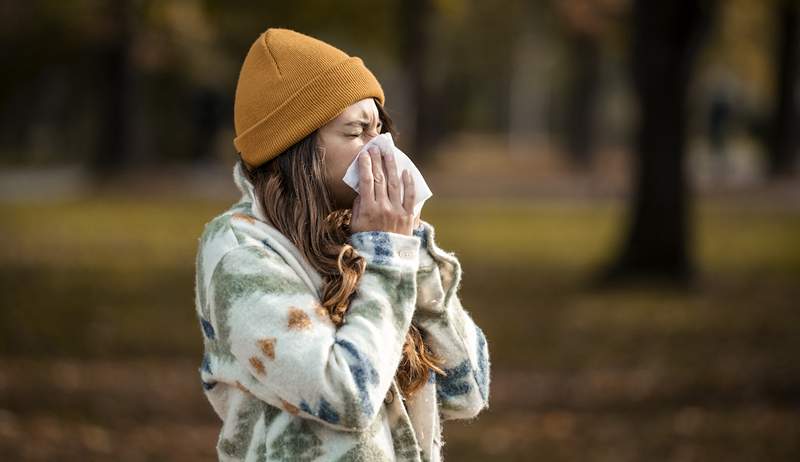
x=277, y=239
x=247, y=190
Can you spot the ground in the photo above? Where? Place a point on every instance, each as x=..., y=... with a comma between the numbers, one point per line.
x=99, y=343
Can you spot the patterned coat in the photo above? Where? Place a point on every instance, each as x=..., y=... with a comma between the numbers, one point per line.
x=289, y=385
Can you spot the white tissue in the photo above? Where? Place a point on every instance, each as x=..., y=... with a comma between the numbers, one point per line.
x=385, y=143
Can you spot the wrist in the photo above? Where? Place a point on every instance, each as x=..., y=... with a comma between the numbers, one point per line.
x=387, y=248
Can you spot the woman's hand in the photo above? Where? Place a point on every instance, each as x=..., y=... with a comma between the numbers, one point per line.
x=379, y=207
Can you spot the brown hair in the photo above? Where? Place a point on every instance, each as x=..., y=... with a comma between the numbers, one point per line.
x=298, y=202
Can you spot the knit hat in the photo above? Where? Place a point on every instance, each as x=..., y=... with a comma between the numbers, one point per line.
x=291, y=84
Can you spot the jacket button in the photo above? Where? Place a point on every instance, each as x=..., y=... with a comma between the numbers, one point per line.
x=389, y=397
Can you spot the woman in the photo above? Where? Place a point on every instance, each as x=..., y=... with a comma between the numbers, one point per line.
x=331, y=322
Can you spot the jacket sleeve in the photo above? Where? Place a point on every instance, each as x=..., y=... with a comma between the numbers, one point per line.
x=450, y=332
x=273, y=325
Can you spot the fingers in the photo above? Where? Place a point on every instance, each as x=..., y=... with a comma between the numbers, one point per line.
x=410, y=193
x=392, y=180
x=356, y=206
x=378, y=174
x=365, y=180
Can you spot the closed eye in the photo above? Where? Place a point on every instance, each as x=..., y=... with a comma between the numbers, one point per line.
x=380, y=126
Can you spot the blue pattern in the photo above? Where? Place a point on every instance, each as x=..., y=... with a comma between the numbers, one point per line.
x=266, y=244
x=383, y=247
x=363, y=373
x=454, y=384
x=482, y=376
x=206, y=363
x=306, y=408
x=326, y=411
x=208, y=329
x=208, y=385
x=422, y=234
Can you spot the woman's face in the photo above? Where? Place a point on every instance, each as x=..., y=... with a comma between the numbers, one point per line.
x=342, y=139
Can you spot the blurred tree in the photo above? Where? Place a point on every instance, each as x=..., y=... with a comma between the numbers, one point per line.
x=586, y=22
x=666, y=37
x=414, y=21
x=784, y=136
x=114, y=89
x=45, y=90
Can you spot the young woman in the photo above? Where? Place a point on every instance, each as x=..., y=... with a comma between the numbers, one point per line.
x=331, y=321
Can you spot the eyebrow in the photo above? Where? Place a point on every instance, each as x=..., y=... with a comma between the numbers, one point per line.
x=362, y=122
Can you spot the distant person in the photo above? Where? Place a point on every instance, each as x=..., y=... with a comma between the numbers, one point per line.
x=332, y=325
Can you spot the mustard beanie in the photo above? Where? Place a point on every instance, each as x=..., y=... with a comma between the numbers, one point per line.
x=291, y=84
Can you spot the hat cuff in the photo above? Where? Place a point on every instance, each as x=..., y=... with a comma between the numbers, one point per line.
x=311, y=107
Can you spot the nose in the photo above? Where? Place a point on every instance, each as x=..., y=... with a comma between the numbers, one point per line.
x=370, y=136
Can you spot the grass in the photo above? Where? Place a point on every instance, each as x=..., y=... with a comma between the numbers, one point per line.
x=578, y=374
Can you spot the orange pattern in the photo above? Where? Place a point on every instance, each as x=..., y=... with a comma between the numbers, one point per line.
x=257, y=365
x=267, y=346
x=290, y=408
x=298, y=319
x=244, y=217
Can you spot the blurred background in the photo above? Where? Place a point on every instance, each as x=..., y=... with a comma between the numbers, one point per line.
x=618, y=177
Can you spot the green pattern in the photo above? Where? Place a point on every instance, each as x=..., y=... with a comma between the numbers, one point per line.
x=210, y=232
x=400, y=289
x=297, y=443
x=366, y=449
x=352, y=409
x=231, y=285
x=405, y=442
x=261, y=452
x=429, y=285
x=370, y=309
x=243, y=207
x=247, y=416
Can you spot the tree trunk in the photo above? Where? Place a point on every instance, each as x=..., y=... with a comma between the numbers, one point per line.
x=665, y=42
x=784, y=138
x=115, y=74
x=582, y=100
x=414, y=16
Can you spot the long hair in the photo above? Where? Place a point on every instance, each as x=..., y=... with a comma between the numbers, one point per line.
x=297, y=201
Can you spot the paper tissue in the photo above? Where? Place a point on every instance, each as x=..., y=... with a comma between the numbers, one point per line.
x=385, y=143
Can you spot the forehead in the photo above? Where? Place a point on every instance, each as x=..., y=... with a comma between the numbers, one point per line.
x=364, y=109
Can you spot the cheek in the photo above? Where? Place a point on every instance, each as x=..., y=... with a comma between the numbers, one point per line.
x=337, y=161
